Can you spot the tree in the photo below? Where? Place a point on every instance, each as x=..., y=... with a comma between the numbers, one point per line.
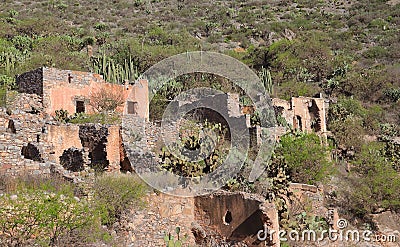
x=105, y=100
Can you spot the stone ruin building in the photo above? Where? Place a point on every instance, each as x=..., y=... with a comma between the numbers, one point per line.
x=303, y=113
x=31, y=142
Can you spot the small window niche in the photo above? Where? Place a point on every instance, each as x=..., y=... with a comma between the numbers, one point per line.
x=11, y=127
x=80, y=106
x=133, y=108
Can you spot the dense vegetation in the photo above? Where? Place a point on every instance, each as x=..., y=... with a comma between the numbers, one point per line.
x=53, y=212
x=347, y=50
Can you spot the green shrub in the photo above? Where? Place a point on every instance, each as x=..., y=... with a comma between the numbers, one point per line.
x=344, y=108
x=346, y=121
x=377, y=183
x=393, y=94
x=290, y=89
x=306, y=157
x=101, y=118
x=7, y=82
x=376, y=52
x=100, y=26
x=348, y=133
x=42, y=212
x=63, y=116
x=113, y=193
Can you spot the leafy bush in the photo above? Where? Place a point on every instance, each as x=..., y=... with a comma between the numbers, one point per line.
x=376, y=52
x=290, y=89
x=306, y=157
x=344, y=108
x=7, y=82
x=42, y=213
x=346, y=123
x=348, y=133
x=113, y=193
x=377, y=182
x=393, y=94
x=63, y=116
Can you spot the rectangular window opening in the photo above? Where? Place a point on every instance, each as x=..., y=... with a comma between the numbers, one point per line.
x=80, y=106
x=133, y=107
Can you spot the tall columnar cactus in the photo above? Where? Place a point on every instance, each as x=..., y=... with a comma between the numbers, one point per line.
x=113, y=71
x=266, y=78
x=8, y=61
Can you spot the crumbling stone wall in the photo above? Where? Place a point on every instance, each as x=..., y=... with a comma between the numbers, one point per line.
x=114, y=148
x=284, y=109
x=62, y=89
x=303, y=113
x=72, y=160
x=140, y=153
x=312, y=112
x=31, y=82
x=30, y=142
x=21, y=137
x=228, y=217
x=62, y=137
x=161, y=216
x=202, y=219
x=88, y=139
x=305, y=194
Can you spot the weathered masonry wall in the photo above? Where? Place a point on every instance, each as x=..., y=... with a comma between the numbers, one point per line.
x=66, y=89
x=161, y=216
x=62, y=89
x=21, y=136
x=235, y=217
x=99, y=145
x=303, y=113
x=31, y=143
x=204, y=219
x=31, y=82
